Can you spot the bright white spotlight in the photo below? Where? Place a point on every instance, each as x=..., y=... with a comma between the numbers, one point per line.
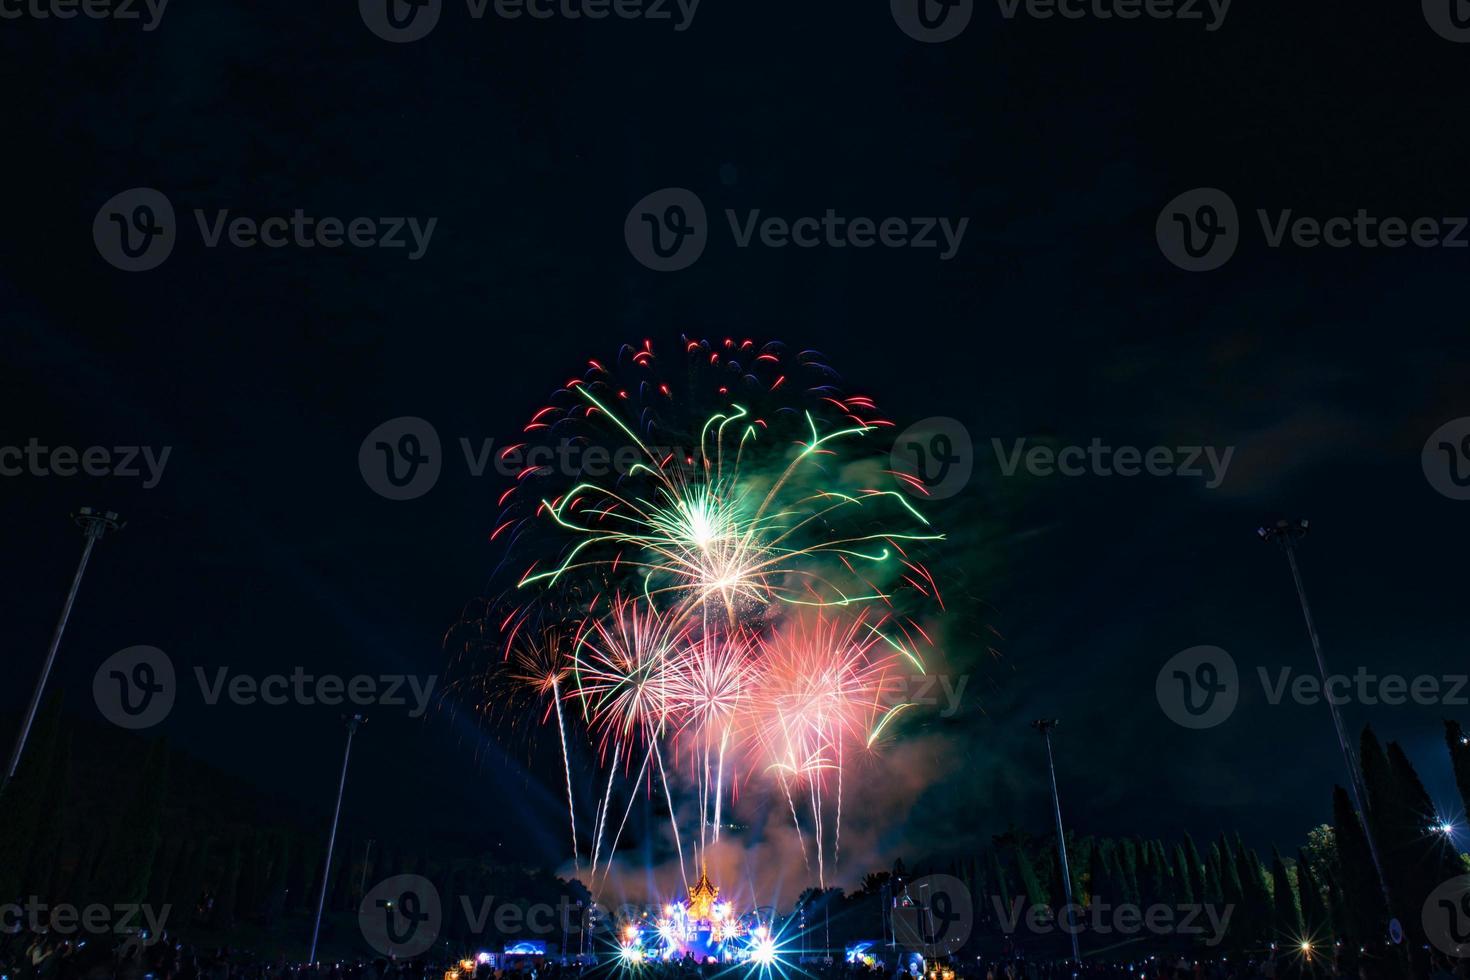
x=763, y=952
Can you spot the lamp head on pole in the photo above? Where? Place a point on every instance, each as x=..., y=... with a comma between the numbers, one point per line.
x=94, y=523
x=1044, y=725
x=1284, y=533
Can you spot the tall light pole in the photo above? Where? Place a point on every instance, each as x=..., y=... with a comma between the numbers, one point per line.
x=353, y=724
x=1044, y=726
x=1288, y=534
x=93, y=524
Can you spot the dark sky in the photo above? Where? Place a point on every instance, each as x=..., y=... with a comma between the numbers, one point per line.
x=261, y=548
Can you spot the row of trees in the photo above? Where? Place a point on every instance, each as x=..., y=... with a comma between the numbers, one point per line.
x=150, y=825
x=196, y=843
x=1327, y=892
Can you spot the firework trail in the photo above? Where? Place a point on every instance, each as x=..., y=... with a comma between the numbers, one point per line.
x=727, y=577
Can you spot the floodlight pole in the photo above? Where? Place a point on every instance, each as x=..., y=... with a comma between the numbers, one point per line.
x=93, y=524
x=1287, y=534
x=1044, y=726
x=353, y=724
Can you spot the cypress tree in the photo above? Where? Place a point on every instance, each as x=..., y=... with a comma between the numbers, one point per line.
x=1432, y=855
x=1163, y=874
x=1184, y=884
x=298, y=880
x=1122, y=891
x=45, y=877
x=1230, y=884
x=1316, y=921
x=23, y=805
x=1196, y=868
x=226, y=903
x=1213, y=889
x=1030, y=884
x=1256, y=896
x=1286, y=913
x=1128, y=851
x=1097, y=876
x=1362, y=899
x=188, y=893
x=1385, y=816
x=127, y=861
x=997, y=877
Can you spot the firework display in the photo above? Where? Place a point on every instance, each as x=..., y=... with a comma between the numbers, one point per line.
x=714, y=580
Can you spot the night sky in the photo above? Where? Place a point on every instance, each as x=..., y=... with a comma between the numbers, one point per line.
x=1058, y=320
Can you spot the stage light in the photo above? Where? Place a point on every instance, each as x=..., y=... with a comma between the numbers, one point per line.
x=763, y=952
